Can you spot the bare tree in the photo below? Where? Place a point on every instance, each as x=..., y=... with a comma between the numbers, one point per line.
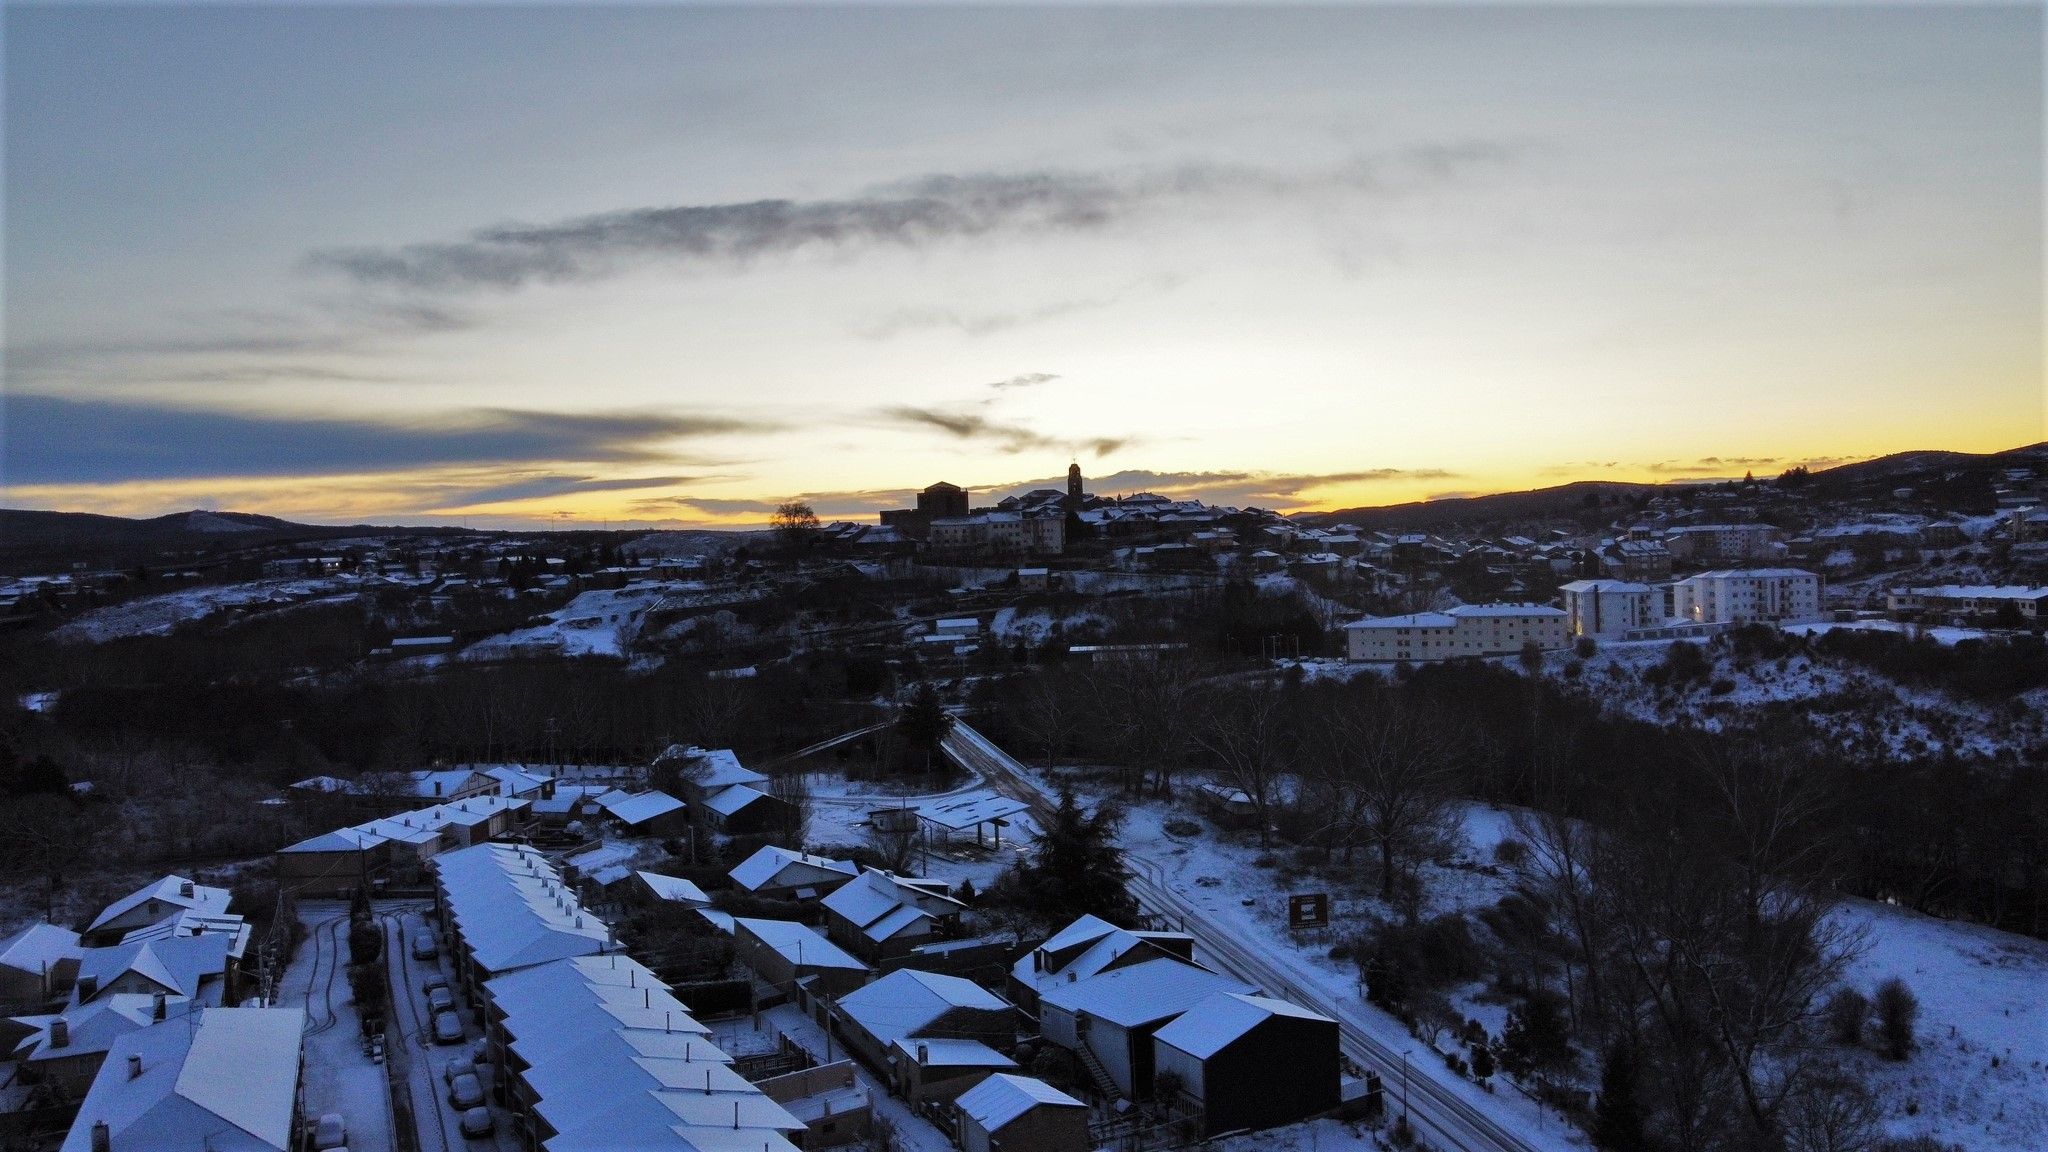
x=1242, y=727
x=1050, y=714
x=792, y=789
x=1398, y=764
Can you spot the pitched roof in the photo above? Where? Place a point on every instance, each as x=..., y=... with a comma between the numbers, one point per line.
x=176, y=964
x=40, y=946
x=227, y=1085
x=1001, y=1098
x=512, y=909
x=1142, y=993
x=764, y=866
x=1211, y=1025
x=94, y=1027
x=906, y=1001
x=168, y=891
x=713, y=768
x=959, y=813
x=673, y=888
x=944, y=1052
x=799, y=944
x=730, y=800
x=640, y=807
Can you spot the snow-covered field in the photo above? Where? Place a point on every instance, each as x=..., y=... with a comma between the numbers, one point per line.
x=599, y=623
x=839, y=812
x=1983, y=996
x=158, y=615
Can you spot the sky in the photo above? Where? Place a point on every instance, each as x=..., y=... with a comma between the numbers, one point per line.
x=669, y=265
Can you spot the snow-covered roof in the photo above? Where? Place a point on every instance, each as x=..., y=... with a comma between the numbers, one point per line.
x=169, y=892
x=714, y=768
x=799, y=944
x=1142, y=993
x=638, y=808
x=615, y=1061
x=39, y=947
x=881, y=905
x=960, y=813
x=766, y=865
x=421, y=827
x=906, y=1001
x=176, y=964
x=512, y=909
x=1605, y=586
x=1211, y=1025
x=515, y=780
x=673, y=888
x=229, y=1084
x=1981, y=592
x=94, y=1027
x=731, y=800
x=1001, y=1098
x=940, y=1052
x=1760, y=573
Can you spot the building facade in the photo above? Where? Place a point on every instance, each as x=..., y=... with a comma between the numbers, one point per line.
x=1467, y=630
x=1746, y=596
x=1610, y=608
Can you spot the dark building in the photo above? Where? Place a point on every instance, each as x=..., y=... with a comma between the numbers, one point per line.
x=942, y=500
x=1249, y=1062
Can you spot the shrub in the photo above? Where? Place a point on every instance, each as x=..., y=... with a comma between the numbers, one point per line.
x=1585, y=648
x=1182, y=828
x=1511, y=852
x=1847, y=1012
x=1897, y=1011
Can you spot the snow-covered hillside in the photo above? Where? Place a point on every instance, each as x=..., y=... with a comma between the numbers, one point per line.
x=158, y=615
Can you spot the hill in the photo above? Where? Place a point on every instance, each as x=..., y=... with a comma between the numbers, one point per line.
x=40, y=541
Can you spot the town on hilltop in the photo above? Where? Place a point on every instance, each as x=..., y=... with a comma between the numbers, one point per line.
x=1064, y=823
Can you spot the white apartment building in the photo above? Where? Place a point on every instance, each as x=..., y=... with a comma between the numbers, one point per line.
x=1721, y=542
x=1611, y=608
x=1007, y=533
x=1969, y=600
x=1746, y=595
x=1467, y=630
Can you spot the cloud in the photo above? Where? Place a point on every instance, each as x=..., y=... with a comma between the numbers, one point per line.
x=970, y=426
x=1027, y=380
x=545, y=486
x=907, y=214
x=51, y=440
x=1230, y=488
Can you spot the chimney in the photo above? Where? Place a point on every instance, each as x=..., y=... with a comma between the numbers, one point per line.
x=437, y=787
x=924, y=1054
x=185, y=889
x=134, y=1066
x=157, y=1007
x=102, y=1137
x=60, y=1033
x=88, y=987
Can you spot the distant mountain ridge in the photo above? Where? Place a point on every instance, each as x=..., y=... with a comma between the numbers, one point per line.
x=1863, y=477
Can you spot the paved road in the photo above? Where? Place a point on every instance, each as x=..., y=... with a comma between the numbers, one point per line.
x=1438, y=1111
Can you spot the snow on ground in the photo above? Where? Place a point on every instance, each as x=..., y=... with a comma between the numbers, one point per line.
x=839, y=813
x=1983, y=994
x=1943, y=634
x=1033, y=626
x=1314, y=1136
x=158, y=615
x=338, y=1076
x=597, y=623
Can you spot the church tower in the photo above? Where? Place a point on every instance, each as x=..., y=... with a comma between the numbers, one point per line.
x=1074, y=484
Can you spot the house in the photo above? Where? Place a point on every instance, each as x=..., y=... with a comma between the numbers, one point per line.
x=228, y=1083
x=1009, y=1112
x=1720, y=543
x=1088, y=947
x=881, y=915
x=193, y=967
x=148, y=905
x=911, y=1005
x=784, y=953
x=1242, y=1061
x=935, y=1069
x=781, y=874
x=37, y=965
x=1108, y=1020
x=834, y=1107
x=656, y=890
x=723, y=795
x=1975, y=603
x=652, y=813
x=395, y=849
x=1229, y=807
x=1467, y=630
x=66, y=1050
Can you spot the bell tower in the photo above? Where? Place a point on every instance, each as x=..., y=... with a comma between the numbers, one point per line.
x=1074, y=483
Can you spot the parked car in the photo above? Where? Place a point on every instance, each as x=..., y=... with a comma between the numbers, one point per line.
x=433, y=983
x=441, y=1000
x=424, y=947
x=466, y=1091
x=460, y=1066
x=478, y=1122
x=330, y=1132
x=447, y=1028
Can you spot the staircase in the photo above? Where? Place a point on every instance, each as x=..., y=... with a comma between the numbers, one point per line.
x=1097, y=1074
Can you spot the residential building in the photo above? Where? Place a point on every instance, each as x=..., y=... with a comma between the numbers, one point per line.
x=507, y=908
x=1085, y=948
x=784, y=954
x=1466, y=630
x=1722, y=543
x=395, y=849
x=1747, y=595
x=1610, y=608
x=65, y=1050
x=908, y=1005
x=882, y=916
x=1975, y=603
x=774, y=873
x=151, y=904
x=37, y=965
x=1000, y=534
x=829, y=1100
x=1241, y=1061
x=1108, y=1020
x=227, y=1083
x=1006, y=1112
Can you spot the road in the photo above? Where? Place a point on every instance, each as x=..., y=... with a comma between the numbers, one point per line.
x=440, y=1125
x=1439, y=1112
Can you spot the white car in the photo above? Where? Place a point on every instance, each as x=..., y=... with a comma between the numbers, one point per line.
x=466, y=1091
x=478, y=1122
x=330, y=1132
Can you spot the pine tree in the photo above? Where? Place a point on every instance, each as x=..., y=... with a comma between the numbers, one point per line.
x=925, y=722
x=1618, y=1119
x=1535, y=1039
x=1077, y=869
